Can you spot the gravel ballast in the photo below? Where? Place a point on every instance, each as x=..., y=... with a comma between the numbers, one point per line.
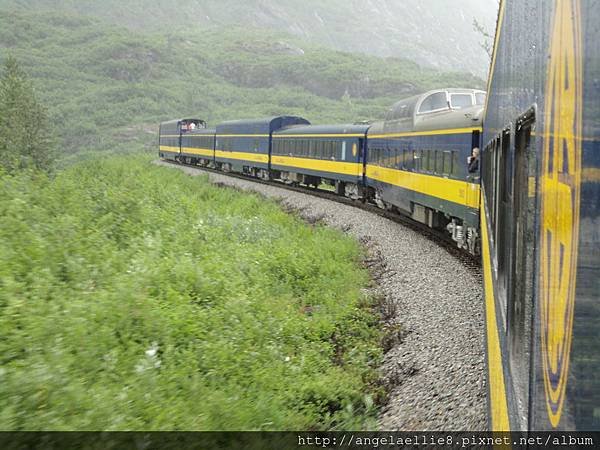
x=435, y=370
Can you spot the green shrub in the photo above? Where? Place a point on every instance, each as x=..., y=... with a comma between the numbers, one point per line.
x=136, y=297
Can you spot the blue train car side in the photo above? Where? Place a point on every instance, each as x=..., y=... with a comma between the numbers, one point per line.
x=198, y=147
x=541, y=217
x=173, y=137
x=245, y=145
x=417, y=161
x=315, y=154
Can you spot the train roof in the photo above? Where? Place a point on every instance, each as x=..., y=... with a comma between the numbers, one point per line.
x=186, y=119
x=435, y=109
x=264, y=125
x=347, y=129
x=173, y=125
x=203, y=131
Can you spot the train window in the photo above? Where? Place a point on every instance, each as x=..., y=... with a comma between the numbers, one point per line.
x=439, y=161
x=447, y=163
x=461, y=100
x=503, y=229
x=256, y=145
x=332, y=148
x=506, y=182
x=305, y=147
x=480, y=98
x=435, y=102
x=455, y=164
x=416, y=161
x=320, y=149
x=520, y=292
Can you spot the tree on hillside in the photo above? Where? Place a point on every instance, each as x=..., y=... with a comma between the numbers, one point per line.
x=24, y=130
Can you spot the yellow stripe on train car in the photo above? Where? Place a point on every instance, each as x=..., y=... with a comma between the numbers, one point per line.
x=426, y=133
x=321, y=165
x=243, y=156
x=198, y=151
x=497, y=388
x=322, y=135
x=460, y=192
x=167, y=148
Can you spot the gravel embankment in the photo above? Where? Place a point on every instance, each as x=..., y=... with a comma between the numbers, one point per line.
x=436, y=369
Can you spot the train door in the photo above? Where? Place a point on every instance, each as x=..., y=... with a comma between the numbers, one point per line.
x=520, y=287
x=180, y=126
x=362, y=157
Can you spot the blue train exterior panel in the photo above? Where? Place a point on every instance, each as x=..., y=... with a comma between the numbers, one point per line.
x=541, y=210
x=243, y=144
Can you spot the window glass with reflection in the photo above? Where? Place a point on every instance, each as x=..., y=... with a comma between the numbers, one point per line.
x=434, y=102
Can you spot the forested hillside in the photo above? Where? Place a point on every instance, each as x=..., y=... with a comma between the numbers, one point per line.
x=437, y=33
x=104, y=83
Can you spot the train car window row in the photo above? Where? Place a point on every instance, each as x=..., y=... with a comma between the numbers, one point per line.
x=308, y=148
x=201, y=142
x=439, y=162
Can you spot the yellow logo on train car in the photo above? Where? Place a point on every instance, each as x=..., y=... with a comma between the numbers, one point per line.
x=560, y=195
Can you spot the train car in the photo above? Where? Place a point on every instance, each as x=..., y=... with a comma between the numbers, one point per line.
x=198, y=147
x=171, y=136
x=540, y=217
x=417, y=161
x=313, y=155
x=244, y=146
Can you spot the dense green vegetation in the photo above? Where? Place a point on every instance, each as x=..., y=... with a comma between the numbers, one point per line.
x=24, y=132
x=106, y=85
x=136, y=297
x=434, y=33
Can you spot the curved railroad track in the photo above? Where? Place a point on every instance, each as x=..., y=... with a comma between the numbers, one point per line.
x=431, y=303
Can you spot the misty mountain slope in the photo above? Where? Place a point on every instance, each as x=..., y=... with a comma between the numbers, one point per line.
x=104, y=83
x=436, y=33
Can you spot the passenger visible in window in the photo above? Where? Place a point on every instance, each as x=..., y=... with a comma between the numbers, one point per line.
x=473, y=161
x=192, y=126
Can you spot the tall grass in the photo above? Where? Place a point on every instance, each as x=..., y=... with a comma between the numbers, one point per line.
x=135, y=297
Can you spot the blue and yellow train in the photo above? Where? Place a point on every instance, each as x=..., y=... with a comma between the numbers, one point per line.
x=532, y=209
x=413, y=162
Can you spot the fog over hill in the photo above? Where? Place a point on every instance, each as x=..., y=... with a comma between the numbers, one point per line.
x=435, y=33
